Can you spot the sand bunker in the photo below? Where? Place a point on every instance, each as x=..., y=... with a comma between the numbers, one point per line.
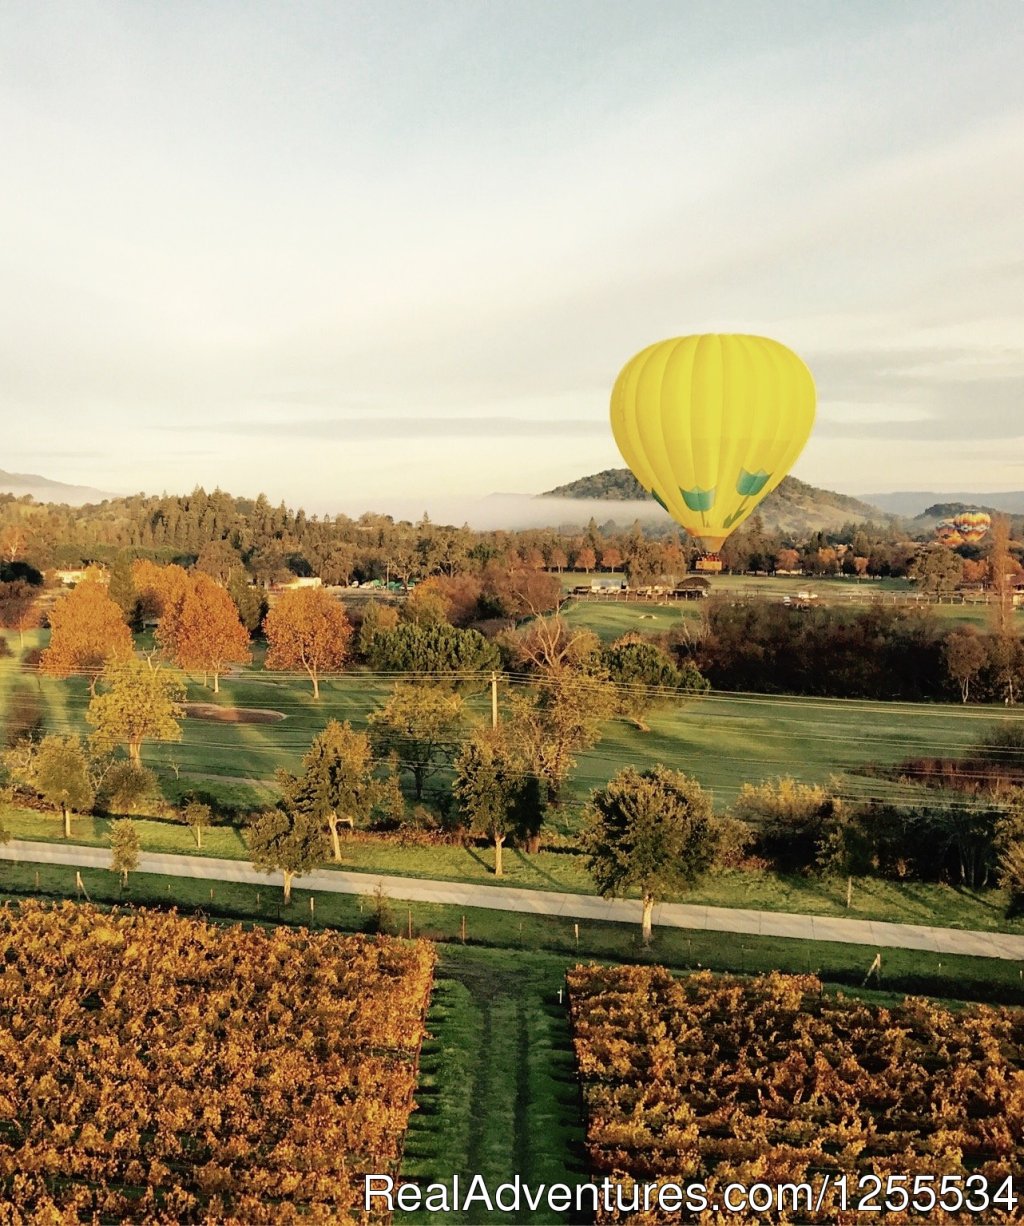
x=232, y=715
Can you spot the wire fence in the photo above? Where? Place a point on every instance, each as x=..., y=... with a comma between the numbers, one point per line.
x=859, y=967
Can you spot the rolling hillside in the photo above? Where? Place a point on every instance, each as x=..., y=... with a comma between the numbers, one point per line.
x=794, y=507
x=915, y=504
x=42, y=489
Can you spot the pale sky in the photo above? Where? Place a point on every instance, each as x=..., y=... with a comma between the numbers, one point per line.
x=346, y=252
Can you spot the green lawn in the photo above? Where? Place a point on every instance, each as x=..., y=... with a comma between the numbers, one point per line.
x=728, y=739
x=722, y=739
x=873, y=898
x=610, y=620
x=498, y=1094
x=211, y=753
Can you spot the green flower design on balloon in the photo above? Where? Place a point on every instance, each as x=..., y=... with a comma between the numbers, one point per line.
x=749, y=485
x=699, y=500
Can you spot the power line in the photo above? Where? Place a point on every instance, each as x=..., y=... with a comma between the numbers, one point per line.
x=884, y=790
x=577, y=680
x=807, y=730
x=803, y=717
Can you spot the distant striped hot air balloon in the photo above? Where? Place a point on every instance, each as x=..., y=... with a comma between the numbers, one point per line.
x=972, y=525
x=711, y=424
x=946, y=533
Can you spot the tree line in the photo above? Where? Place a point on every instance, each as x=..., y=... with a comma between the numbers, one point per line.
x=206, y=626
x=875, y=651
x=220, y=533
x=646, y=832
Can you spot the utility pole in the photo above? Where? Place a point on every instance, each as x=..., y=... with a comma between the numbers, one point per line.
x=494, y=700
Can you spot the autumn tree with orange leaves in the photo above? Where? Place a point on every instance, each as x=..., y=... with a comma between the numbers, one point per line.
x=308, y=629
x=87, y=630
x=611, y=558
x=1003, y=572
x=159, y=587
x=586, y=559
x=202, y=632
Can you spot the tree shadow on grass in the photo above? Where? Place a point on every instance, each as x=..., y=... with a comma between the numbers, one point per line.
x=532, y=867
x=475, y=855
x=979, y=899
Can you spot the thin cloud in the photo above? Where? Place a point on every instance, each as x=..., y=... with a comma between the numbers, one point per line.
x=389, y=231
x=921, y=394
x=371, y=428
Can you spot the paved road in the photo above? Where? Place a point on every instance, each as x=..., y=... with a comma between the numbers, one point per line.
x=550, y=902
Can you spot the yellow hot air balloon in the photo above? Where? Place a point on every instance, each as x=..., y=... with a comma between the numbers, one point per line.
x=711, y=424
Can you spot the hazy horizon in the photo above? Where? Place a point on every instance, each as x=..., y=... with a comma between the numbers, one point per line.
x=353, y=255
x=518, y=510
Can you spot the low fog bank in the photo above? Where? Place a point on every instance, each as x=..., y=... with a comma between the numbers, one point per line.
x=508, y=511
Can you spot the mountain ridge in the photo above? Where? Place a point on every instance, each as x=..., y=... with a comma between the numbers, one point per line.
x=916, y=503
x=793, y=506
x=44, y=489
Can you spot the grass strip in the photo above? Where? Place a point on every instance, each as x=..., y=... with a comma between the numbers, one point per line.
x=946, y=976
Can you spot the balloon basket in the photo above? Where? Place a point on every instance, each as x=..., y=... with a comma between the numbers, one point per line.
x=710, y=563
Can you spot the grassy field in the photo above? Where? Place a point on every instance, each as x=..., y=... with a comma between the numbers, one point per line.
x=728, y=739
x=722, y=739
x=767, y=585
x=873, y=898
x=609, y=618
x=498, y=1093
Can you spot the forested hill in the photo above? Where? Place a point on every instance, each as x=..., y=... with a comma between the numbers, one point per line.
x=794, y=507
x=947, y=510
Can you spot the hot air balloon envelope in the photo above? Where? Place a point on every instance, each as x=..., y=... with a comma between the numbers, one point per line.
x=972, y=525
x=946, y=533
x=711, y=424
